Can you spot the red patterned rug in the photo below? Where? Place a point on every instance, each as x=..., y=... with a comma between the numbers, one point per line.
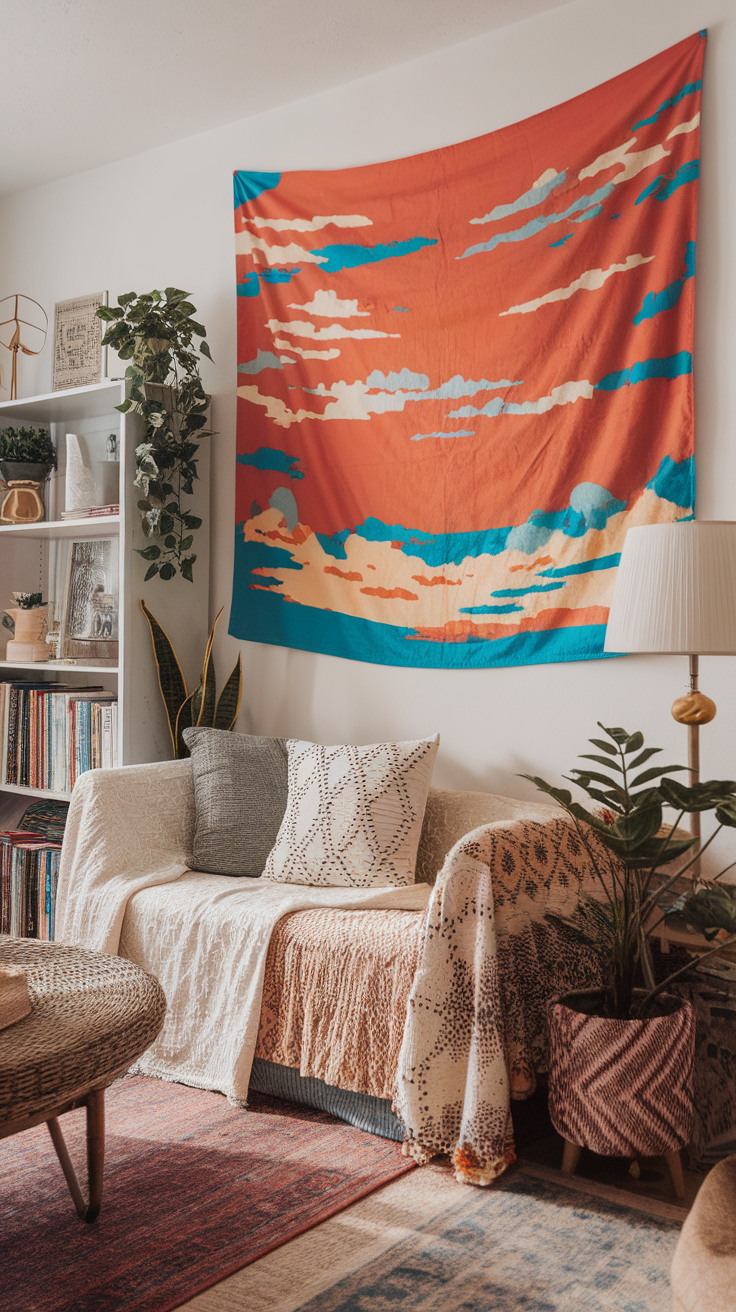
x=194, y=1190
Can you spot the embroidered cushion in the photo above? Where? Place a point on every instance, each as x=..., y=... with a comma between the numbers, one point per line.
x=240, y=790
x=354, y=814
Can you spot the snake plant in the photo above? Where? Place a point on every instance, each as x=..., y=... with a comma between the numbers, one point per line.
x=202, y=708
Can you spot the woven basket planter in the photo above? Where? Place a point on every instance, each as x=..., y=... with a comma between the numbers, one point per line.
x=621, y=1087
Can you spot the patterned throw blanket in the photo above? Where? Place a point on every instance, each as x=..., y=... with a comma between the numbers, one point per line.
x=476, y=1032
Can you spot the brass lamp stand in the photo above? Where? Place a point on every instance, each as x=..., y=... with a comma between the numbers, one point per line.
x=693, y=710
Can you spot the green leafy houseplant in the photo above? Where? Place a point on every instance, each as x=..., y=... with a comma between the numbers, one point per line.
x=202, y=707
x=637, y=893
x=31, y=446
x=156, y=331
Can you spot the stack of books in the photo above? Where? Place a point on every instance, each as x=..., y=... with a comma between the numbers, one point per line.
x=29, y=870
x=50, y=733
x=89, y=512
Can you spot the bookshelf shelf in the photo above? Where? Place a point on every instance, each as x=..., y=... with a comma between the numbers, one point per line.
x=30, y=556
x=36, y=792
x=97, y=526
x=47, y=667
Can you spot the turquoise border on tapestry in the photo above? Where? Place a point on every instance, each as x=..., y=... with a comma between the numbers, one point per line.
x=260, y=616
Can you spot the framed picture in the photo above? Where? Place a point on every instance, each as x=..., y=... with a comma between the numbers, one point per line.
x=83, y=614
x=78, y=351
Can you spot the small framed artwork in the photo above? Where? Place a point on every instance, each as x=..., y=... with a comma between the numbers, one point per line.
x=78, y=350
x=83, y=615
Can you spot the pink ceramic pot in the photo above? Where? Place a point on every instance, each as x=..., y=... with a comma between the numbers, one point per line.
x=621, y=1087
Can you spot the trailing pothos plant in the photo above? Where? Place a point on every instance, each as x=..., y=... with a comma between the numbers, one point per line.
x=637, y=893
x=202, y=707
x=156, y=331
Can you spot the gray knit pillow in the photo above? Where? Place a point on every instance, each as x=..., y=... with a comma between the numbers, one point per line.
x=240, y=792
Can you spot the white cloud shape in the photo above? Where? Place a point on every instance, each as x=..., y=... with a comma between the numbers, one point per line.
x=690, y=126
x=590, y=281
x=328, y=305
x=631, y=164
x=332, y=354
x=392, y=382
x=313, y=225
x=247, y=244
x=300, y=328
x=565, y=394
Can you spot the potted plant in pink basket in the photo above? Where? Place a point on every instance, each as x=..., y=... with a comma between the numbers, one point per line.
x=621, y=1056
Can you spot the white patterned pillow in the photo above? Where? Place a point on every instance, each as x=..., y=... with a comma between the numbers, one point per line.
x=354, y=814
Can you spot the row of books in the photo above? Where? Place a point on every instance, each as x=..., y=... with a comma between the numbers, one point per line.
x=92, y=512
x=29, y=871
x=52, y=732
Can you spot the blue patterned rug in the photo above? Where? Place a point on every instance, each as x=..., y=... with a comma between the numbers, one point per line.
x=527, y=1245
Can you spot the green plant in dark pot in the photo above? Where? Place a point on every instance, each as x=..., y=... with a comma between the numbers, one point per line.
x=621, y=1056
x=203, y=707
x=27, y=454
x=156, y=332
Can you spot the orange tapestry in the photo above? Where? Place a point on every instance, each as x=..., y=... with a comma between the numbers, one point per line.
x=463, y=376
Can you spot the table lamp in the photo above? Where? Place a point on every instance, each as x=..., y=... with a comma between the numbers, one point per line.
x=675, y=592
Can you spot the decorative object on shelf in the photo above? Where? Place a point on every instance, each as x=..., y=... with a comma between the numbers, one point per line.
x=637, y=893
x=79, y=483
x=29, y=615
x=394, y=503
x=675, y=592
x=78, y=346
x=27, y=457
x=156, y=331
x=89, y=623
x=18, y=327
x=107, y=474
x=202, y=707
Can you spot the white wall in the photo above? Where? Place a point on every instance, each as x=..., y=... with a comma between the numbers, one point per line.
x=165, y=217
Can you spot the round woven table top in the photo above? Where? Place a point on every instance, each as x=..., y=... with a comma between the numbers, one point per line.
x=91, y=1016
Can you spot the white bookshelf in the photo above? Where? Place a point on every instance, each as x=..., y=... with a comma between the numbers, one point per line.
x=181, y=607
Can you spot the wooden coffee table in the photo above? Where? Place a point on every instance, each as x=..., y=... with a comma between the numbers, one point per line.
x=92, y=1016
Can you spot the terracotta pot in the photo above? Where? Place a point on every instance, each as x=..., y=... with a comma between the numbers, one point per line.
x=621, y=1087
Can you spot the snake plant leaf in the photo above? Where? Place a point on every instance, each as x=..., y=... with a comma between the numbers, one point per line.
x=228, y=703
x=208, y=697
x=171, y=681
x=183, y=721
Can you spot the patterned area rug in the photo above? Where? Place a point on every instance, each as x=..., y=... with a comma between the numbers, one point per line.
x=528, y=1244
x=194, y=1190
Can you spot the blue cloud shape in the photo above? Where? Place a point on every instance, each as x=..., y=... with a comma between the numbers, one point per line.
x=267, y=457
x=352, y=257
x=656, y=302
x=246, y=186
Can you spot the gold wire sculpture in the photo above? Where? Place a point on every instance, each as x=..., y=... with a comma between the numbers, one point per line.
x=14, y=345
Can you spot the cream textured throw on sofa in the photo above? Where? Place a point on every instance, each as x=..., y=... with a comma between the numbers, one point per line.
x=204, y=937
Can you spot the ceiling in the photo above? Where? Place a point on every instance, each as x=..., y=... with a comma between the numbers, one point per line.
x=85, y=82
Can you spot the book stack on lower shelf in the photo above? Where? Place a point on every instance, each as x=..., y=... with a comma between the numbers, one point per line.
x=29, y=870
x=51, y=733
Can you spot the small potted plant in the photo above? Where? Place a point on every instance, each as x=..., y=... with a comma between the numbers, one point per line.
x=29, y=617
x=26, y=454
x=156, y=331
x=621, y=1056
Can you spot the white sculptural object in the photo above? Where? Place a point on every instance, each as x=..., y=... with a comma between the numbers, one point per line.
x=80, y=485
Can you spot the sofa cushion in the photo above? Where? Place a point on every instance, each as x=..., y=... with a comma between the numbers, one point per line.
x=240, y=790
x=354, y=814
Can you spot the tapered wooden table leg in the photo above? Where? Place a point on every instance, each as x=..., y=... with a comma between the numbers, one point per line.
x=95, y=1151
x=570, y=1157
x=674, y=1166
x=62, y=1153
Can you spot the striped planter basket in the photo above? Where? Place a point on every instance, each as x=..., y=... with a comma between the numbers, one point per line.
x=621, y=1087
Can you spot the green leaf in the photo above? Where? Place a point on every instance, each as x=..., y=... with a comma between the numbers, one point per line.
x=599, y=779
x=150, y=553
x=653, y=773
x=125, y=407
x=185, y=567
x=601, y=760
x=634, y=743
x=619, y=736
x=228, y=703
x=699, y=797
x=170, y=678
x=183, y=721
x=726, y=812
x=144, y=505
x=191, y=521
x=166, y=524
x=186, y=543
x=606, y=747
x=560, y=795
x=204, y=348
x=167, y=570
x=107, y=313
x=170, y=541
x=645, y=756
x=150, y=572
x=206, y=714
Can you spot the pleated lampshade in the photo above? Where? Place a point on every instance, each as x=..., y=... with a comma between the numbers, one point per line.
x=675, y=590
